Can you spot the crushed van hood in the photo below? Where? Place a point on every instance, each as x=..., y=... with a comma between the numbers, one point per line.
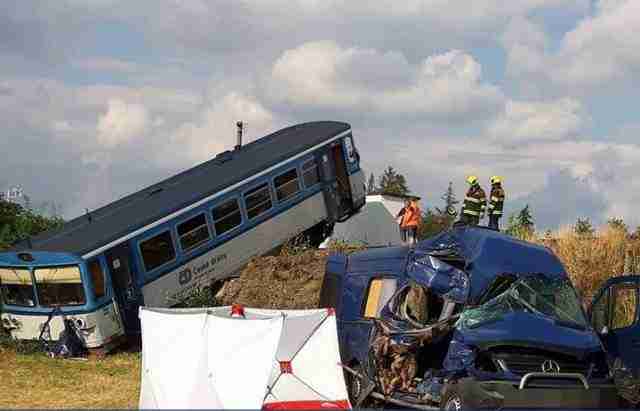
x=525, y=329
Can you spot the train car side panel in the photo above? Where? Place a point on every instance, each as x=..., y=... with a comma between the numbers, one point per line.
x=226, y=259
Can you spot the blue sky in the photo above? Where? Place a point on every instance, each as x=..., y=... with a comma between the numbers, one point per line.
x=102, y=97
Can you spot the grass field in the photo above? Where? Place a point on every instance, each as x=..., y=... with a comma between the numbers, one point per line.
x=36, y=381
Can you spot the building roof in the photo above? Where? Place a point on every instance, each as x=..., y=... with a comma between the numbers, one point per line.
x=115, y=220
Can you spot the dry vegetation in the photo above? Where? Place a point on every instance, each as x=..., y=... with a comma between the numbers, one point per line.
x=291, y=280
x=591, y=260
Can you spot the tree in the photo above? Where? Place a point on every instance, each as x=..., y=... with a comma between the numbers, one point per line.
x=437, y=220
x=521, y=225
x=616, y=223
x=18, y=223
x=449, y=198
x=371, y=185
x=583, y=227
x=393, y=183
x=433, y=222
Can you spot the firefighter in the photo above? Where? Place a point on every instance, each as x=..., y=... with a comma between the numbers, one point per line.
x=475, y=202
x=496, y=202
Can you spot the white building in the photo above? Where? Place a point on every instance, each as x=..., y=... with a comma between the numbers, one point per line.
x=374, y=226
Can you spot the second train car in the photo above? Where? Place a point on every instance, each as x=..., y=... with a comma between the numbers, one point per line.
x=154, y=246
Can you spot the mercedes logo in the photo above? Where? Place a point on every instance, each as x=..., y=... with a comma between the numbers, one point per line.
x=550, y=366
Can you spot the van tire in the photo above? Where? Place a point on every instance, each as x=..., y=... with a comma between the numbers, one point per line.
x=355, y=387
x=451, y=398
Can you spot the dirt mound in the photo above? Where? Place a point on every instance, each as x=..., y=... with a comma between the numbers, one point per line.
x=284, y=282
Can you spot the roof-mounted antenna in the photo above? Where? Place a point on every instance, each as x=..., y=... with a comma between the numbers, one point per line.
x=239, y=142
x=88, y=214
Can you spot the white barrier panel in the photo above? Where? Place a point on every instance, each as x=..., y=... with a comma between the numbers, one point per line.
x=269, y=359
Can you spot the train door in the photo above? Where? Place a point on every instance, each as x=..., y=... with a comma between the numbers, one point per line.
x=125, y=290
x=342, y=179
x=327, y=174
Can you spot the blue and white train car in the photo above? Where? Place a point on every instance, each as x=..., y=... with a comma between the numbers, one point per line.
x=153, y=246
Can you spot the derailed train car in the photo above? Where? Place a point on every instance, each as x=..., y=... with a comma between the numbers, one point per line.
x=473, y=318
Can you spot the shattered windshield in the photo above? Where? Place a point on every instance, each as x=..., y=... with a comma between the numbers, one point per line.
x=553, y=298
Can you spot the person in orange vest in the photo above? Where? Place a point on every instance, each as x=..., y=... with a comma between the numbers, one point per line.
x=400, y=218
x=410, y=221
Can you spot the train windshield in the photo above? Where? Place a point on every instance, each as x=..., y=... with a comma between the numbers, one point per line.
x=16, y=286
x=59, y=285
x=54, y=286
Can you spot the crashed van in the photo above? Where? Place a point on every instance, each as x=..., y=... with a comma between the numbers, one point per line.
x=473, y=318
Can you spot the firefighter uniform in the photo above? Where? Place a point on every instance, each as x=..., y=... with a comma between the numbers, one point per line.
x=475, y=203
x=496, y=202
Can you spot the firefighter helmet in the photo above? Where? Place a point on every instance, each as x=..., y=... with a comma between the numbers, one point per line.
x=496, y=180
x=472, y=180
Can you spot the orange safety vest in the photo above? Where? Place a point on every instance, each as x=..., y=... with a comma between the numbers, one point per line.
x=411, y=217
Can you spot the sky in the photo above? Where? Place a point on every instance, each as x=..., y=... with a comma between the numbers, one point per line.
x=100, y=98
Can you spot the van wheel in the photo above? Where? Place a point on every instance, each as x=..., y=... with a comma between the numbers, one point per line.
x=451, y=399
x=355, y=387
x=354, y=384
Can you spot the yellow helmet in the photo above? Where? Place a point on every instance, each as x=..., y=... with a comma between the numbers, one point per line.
x=472, y=180
x=496, y=179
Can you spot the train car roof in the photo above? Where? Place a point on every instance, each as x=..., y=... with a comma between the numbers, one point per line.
x=117, y=219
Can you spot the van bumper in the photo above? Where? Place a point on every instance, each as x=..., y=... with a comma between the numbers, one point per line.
x=508, y=395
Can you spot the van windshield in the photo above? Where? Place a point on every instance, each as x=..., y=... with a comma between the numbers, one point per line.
x=59, y=285
x=553, y=298
x=16, y=286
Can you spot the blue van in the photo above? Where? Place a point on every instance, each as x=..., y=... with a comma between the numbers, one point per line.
x=473, y=318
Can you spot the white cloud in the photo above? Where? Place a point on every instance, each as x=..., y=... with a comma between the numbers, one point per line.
x=323, y=74
x=526, y=122
x=106, y=64
x=525, y=43
x=604, y=47
x=121, y=123
x=602, y=51
x=215, y=129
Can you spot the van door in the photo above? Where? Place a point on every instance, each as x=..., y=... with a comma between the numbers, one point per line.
x=124, y=286
x=614, y=316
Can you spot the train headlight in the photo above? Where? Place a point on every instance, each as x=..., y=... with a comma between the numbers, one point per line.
x=80, y=323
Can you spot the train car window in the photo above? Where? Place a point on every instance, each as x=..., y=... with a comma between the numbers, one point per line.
x=16, y=287
x=226, y=216
x=286, y=185
x=97, y=278
x=157, y=250
x=59, y=285
x=193, y=232
x=258, y=200
x=310, y=173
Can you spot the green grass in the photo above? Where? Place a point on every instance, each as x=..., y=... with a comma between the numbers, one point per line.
x=36, y=381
